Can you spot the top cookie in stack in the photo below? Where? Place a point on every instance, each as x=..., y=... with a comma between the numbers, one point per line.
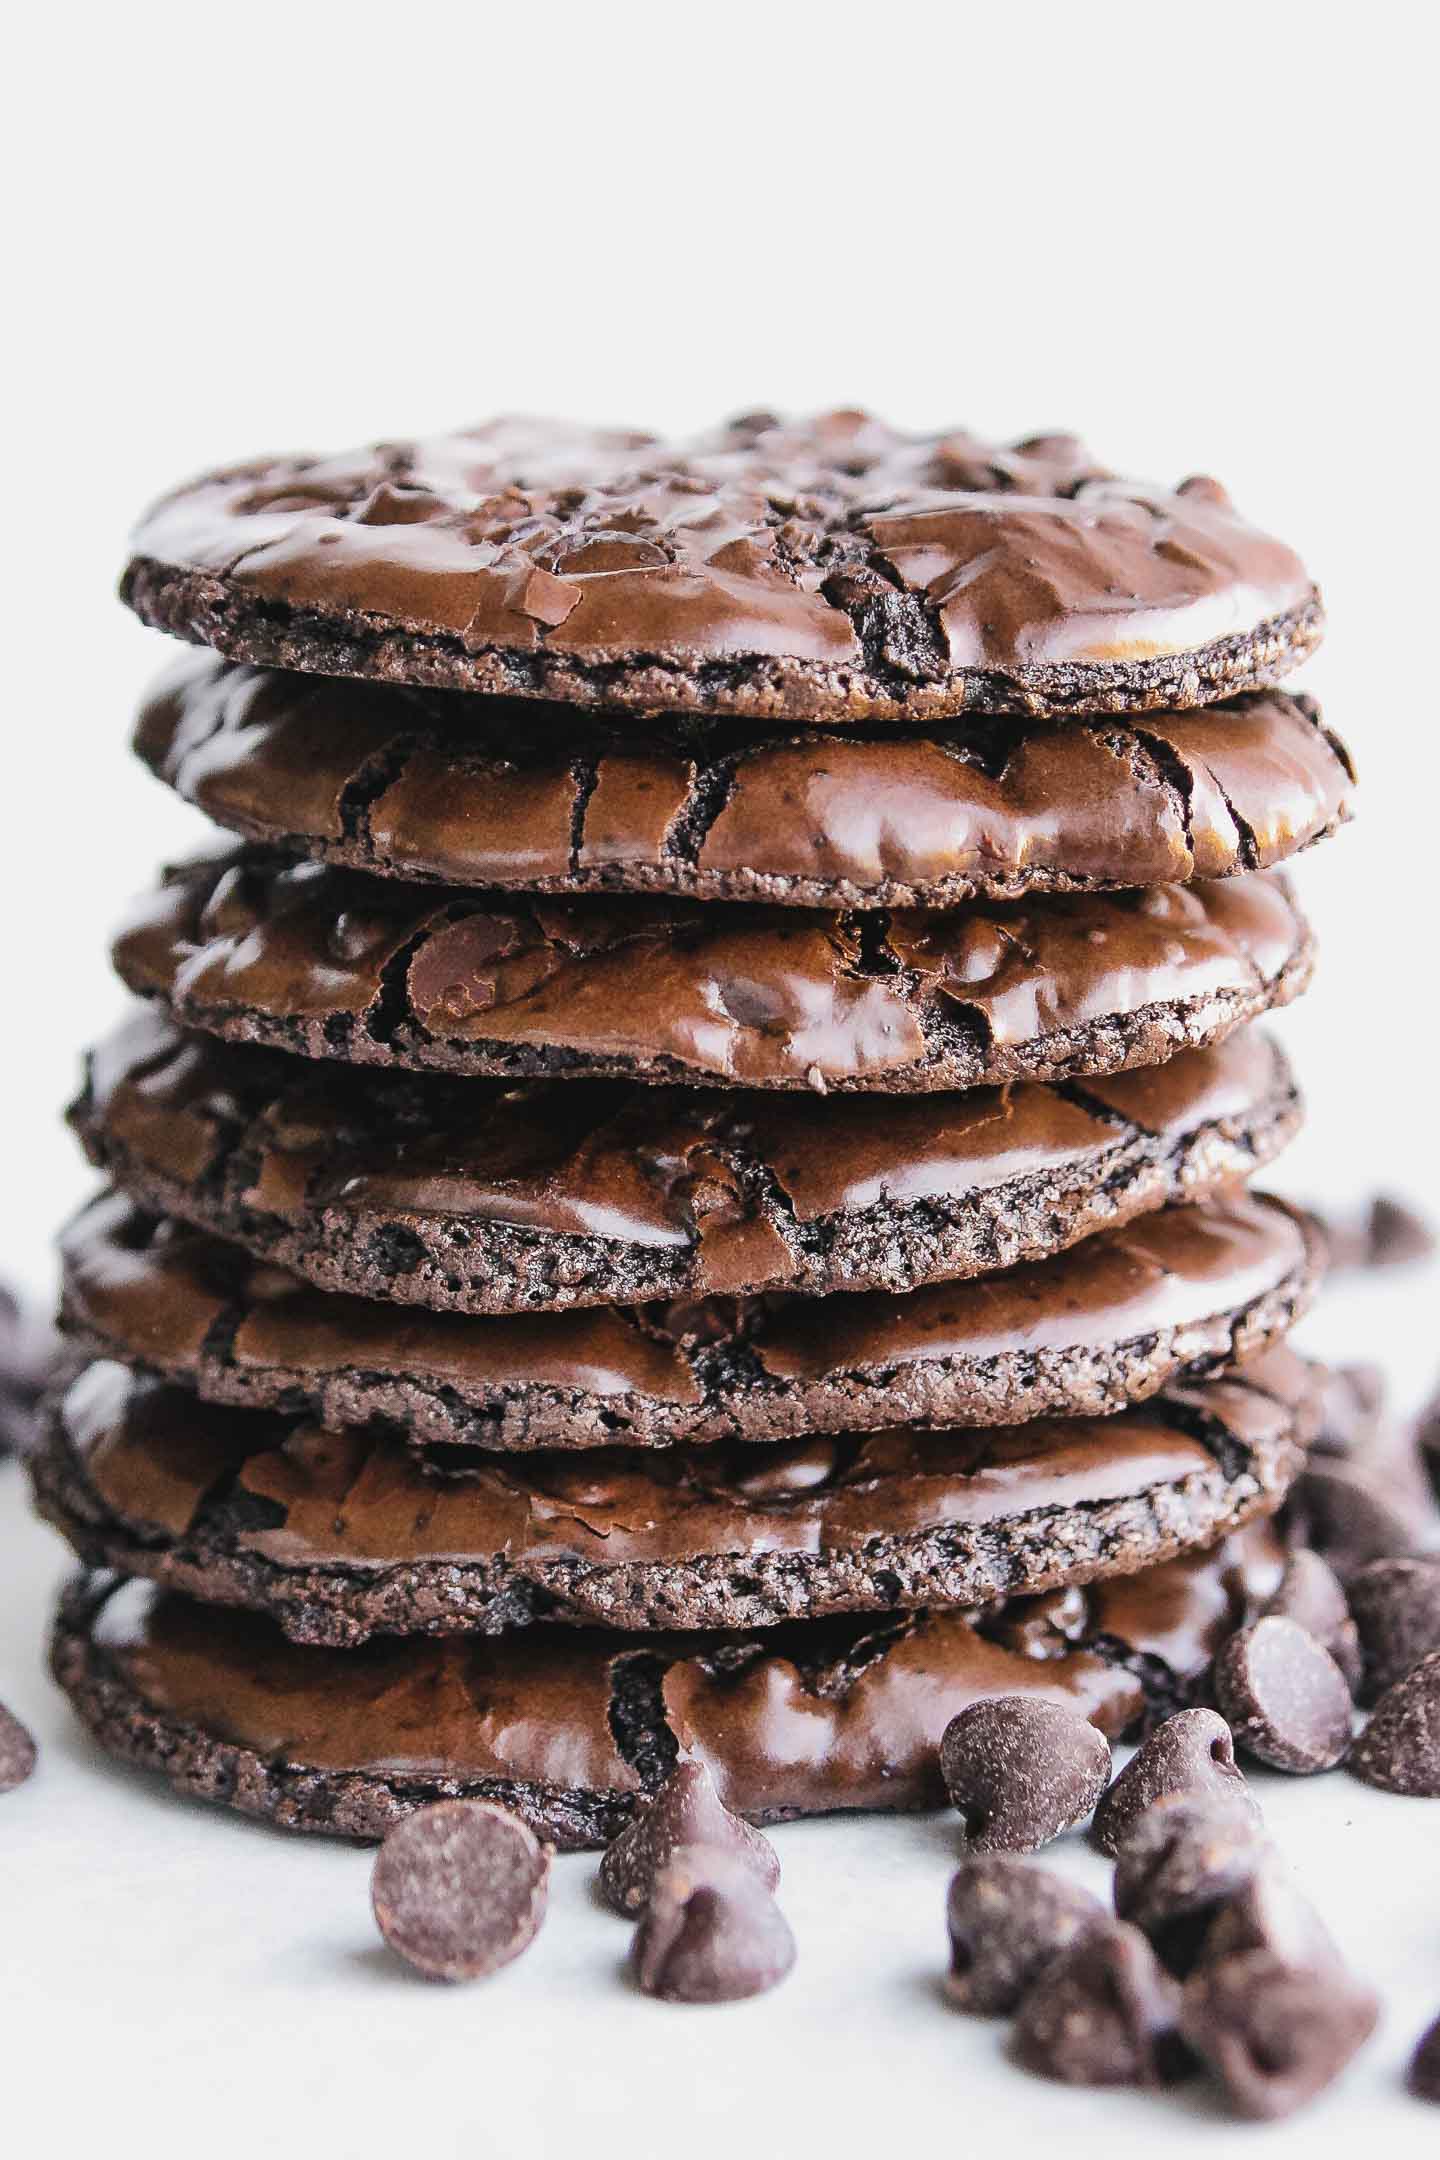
x=685, y=787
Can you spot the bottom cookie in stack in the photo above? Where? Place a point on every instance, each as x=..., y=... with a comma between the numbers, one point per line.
x=340, y=1536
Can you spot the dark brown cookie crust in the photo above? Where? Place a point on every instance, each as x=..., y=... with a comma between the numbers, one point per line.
x=327, y=963
x=828, y=568
x=171, y=1301
x=1202, y=1462
x=873, y=1695
x=313, y=1170
x=490, y=792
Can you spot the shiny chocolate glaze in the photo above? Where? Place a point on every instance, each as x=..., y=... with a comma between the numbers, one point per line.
x=495, y=792
x=334, y=964
x=478, y=1196
x=829, y=567
x=1108, y=1322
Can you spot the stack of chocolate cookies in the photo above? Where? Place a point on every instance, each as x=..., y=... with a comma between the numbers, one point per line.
x=679, y=1182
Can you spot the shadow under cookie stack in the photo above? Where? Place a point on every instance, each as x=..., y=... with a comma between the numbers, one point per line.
x=678, y=1186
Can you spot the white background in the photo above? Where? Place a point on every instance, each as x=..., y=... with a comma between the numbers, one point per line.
x=1201, y=236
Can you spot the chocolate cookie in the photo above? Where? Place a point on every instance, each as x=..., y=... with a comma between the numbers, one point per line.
x=1109, y=1322
x=338, y=1534
x=538, y=798
x=475, y=1196
x=572, y=1728
x=828, y=568
x=334, y=964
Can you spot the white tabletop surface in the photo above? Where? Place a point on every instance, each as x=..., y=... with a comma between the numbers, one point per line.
x=1199, y=236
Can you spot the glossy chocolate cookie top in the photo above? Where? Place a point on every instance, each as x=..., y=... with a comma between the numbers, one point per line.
x=483, y=1196
x=341, y=1534
x=333, y=964
x=539, y=798
x=572, y=1728
x=828, y=568
x=1109, y=1322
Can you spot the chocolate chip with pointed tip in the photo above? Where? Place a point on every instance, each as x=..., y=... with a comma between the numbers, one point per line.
x=711, y=1932
x=1353, y=1512
x=1021, y=1770
x=1424, y=2075
x=686, y=1810
x=1396, y=1604
x=1268, y=1913
x=1103, y=2013
x=1181, y=1862
x=1352, y=1408
x=1311, y=1594
x=1274, y=2033
x=1192, y=1752
x=459, y=1889
x=1007, y=1921
x=18, y=1753
x=1399, y=1749
x=1285, y=1698
x=1396, y=1234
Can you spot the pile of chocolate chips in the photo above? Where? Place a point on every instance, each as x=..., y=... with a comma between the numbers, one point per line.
x=1211, y=1960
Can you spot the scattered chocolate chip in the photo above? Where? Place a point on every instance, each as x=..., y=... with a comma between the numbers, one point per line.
x=1424, y=2078
x=1386, y=1234
x=1352, y=1409
x=1268, y=1913
x=1399, y=1749
x=1183, y=1860
x=1192, y=1752
x=1286, y=1700
x=29, y=1358
x=1102, y=2013
x=1020, y=1770
x=1311, y=1595
x=1007, y=1922
x=1397, y=1612
x=1355, y=1512
x=459, y=1889
x=711, y=1932
x=1396, y=1234
x=1275, y=2034
x=686, y=1810
x=17, y=1752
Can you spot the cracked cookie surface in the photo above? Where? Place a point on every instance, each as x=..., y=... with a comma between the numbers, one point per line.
x=573, y=1728
x=495, y=792
x=483, y=1196
x=330, y=963
x=340, y=1535
x=1109, y=1322
x=827, y=568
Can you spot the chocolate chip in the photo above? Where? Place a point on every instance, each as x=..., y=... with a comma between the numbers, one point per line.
x=1352, y=1407
x=1183, y=1860
x=1396, y=1234
x=1311, y=1595
x=1286, y=1699
x=1397, y=1612
x=1424, y=2078
x=1007, y=1922
x=711, y=1932
x=459, y=1889
x=1399, y=1749
x=1191, y=1752
x=1274, y=2033
x=1387, y=1234
x=1354, y=1512
x=1102, y=2013
x=1268, y=1913
x=17, y=1752
x=686, y=1810
x=1020, y=1770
